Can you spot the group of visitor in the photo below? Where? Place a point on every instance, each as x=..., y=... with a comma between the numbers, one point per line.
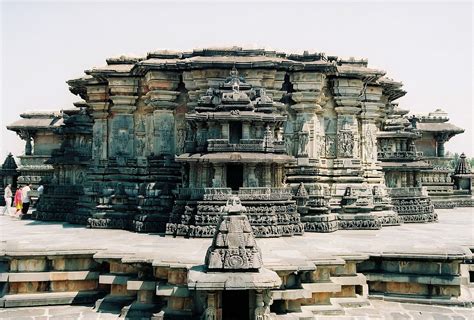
x=21, y=200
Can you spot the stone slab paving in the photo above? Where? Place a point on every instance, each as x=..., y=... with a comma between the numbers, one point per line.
x=378, y=309
x=452, y=234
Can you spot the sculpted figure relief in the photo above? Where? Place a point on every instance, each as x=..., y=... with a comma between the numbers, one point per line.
x=370, y=143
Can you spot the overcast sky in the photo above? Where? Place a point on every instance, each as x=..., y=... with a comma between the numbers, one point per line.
x=427, y=46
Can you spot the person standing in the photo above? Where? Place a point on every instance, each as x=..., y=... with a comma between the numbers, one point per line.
x=40, y=190
x=17, y=200
x=8, y=199
x=26, y=198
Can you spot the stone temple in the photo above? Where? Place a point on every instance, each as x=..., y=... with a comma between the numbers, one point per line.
x=308, y=142
x=238, y=146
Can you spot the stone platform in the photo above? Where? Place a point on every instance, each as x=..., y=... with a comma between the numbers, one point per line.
x=377, y=310
x=453, y=231
x=342, y=274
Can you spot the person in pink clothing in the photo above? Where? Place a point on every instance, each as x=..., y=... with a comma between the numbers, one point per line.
x=17, y=202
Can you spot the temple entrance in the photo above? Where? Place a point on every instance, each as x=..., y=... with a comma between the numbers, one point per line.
x=235, y=132
x=235, y=176
x=235, y=305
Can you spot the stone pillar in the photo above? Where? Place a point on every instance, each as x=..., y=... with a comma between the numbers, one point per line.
x=225, y=130
x=369, y=132
x=308, y=100
x=100, y=130
x=440, y=146
x=277, y=176
x=28, y=146
x=164, y=128
x=26, y=135
x=251, y=180
x=211, y=313
x=204, y=175
x=123, y=93
x=245, y=130
x=161, y=95
x=372, y=108
x=263, y=301
x=267, y=175
x=192, y=174
x=218, y=181
x=259, y=130
x=201, y=136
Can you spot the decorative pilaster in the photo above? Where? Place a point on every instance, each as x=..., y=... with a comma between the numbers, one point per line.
x=161, y=95
x=308, y=98
x=347, y=132
x=218, y=180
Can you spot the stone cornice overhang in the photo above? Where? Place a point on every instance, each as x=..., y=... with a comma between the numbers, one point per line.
x=374, y=77
x=391, y=88
x=102, y=74
x=398, y=134
x=78, y=86
x=405, y=165
x=228, y=62
x=243, y=116
x=365, y=74
x=236, y=157
x=33, y=129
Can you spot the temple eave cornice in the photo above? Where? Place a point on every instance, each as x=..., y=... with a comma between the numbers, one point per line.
x=228, y=116
x=241, y=157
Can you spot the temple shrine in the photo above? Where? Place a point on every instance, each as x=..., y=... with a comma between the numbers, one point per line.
x=308, y=142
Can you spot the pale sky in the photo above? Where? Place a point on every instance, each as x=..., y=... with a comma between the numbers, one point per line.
x=426, y=45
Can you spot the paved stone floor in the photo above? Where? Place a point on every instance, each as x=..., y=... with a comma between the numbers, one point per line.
x=377, y=310
x=452, y=234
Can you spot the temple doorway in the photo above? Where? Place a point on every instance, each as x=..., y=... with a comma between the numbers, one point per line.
x=235, y=176
x=235, y=132
x=235, y=305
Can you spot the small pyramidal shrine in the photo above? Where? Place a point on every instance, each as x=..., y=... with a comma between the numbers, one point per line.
x=233, y=270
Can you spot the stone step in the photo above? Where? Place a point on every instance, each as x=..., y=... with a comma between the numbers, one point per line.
x=50, y=276
x=48, y=298
x=358, y=279
x=324, y=309
x=138, y=310
x=358, y=301
x=113, y=303
x=422, y=300
x=414, y=278
x=291, y=294
x=321, y=287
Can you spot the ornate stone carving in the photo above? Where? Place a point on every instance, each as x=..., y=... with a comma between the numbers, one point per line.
x=233, y=246
x=345, y=144
x=330, y=146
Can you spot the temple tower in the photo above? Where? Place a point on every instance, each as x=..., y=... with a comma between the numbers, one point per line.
x=403, y=165
x=37, y=130
x=8, y=175
x=436, y=130
x=70, y=163
x=234, y=145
